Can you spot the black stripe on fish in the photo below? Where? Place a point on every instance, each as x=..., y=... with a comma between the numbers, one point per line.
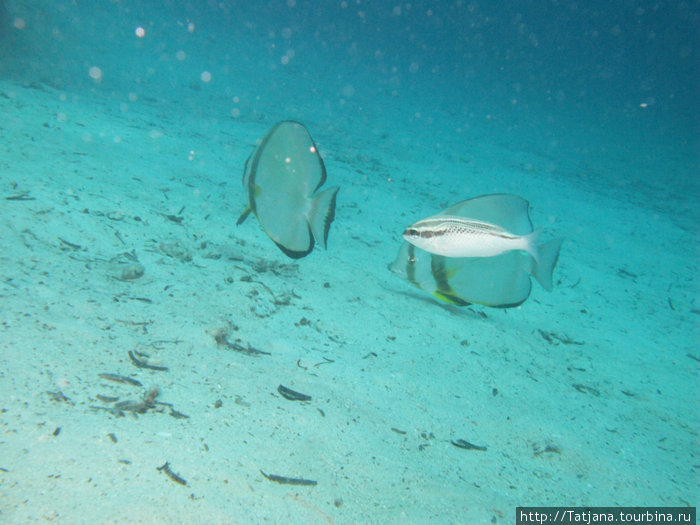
x=444, y=291
x=425, y=234
x=438, y=227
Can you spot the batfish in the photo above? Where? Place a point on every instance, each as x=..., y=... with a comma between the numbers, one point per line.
x=282, y=177
x=502, y=253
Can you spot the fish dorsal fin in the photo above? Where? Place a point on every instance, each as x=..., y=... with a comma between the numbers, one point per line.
x=510, y=212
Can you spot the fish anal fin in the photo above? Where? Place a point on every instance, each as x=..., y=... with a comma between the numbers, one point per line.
x=297, y=254
x=322, y=213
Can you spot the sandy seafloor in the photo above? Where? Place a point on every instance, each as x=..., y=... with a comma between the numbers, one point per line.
x=587, y=395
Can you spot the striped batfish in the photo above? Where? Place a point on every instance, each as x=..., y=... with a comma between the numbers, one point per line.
x=282, y=177
x=482, y=250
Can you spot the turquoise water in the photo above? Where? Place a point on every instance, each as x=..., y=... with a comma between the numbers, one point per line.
x=126, y=127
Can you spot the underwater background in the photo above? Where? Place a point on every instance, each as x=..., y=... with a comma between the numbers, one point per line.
x=144, y=336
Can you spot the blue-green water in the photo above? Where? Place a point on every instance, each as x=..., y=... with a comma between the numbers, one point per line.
x=125, y=130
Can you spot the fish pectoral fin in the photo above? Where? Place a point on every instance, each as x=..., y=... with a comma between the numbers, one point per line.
x=322, y=213
x=244, y=215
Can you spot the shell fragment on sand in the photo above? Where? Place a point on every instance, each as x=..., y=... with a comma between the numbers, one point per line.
x=496, y=232
x=282, y=178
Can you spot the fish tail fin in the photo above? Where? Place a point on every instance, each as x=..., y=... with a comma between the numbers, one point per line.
x=545, y=263
x=322, y=213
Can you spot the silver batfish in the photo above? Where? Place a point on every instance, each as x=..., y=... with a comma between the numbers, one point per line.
x=282, y=177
